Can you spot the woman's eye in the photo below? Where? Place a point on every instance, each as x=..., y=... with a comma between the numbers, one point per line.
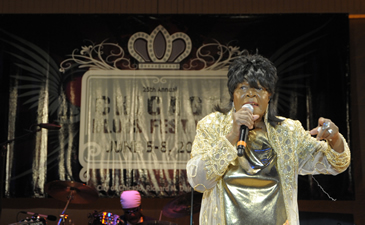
x=244, y=88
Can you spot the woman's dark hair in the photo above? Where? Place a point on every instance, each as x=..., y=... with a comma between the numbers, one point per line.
x=256, y=70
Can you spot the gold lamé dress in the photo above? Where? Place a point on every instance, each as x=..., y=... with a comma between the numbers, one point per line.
x=251, y=188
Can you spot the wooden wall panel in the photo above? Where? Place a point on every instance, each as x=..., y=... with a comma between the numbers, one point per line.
x=90, y=7
x=71, y=5
x=129, y=7
x=138, y=6
x=123, y=6
x=182, y=6
x=20, y=6
x=194, y=6
x=210, y=5
x=357, y=78
x=167, y=6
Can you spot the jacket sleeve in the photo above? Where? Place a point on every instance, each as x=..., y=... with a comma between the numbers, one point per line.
x=317, y=157
x=211, y=154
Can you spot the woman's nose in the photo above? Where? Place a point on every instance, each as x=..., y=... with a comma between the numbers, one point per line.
x=251, y=93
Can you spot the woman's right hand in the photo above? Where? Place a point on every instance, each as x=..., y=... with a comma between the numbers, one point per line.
x=244, y=116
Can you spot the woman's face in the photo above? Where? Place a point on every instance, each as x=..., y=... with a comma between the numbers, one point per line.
x=257, y=97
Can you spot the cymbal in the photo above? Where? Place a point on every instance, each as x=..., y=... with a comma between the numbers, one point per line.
x=63, y=190
x=181, y=205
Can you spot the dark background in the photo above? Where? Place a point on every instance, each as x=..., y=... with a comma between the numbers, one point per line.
x=310, y=52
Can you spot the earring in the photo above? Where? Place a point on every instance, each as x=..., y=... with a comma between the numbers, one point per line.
x=234, y=109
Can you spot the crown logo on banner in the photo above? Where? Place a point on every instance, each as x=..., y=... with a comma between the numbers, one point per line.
x=159, y=50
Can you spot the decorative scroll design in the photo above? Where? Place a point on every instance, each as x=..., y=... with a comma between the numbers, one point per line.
x=206, y=60
x=159, y=50
x=111, y=56
x=105, y=56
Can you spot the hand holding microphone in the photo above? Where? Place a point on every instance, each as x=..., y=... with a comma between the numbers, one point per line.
x=241, y=144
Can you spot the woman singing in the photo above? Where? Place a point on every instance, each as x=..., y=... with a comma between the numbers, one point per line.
x=261, y=186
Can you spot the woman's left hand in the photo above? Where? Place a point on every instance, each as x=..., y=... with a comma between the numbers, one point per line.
x=326, y=129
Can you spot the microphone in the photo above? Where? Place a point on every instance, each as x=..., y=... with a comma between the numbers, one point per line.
x=49, y=126
x=241, y=144
x=49, y=217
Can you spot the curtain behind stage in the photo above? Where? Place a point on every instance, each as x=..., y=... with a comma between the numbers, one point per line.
x=128, y=90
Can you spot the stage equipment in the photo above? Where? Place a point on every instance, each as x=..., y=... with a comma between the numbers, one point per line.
x=34, y=220
x=101, y=218
x=71, y=192
x=156, y=222
x=38, y=215
x=28, y=222
x=4, y=148
x=183, y=205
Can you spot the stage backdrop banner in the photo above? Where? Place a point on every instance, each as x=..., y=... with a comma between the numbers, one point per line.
x=127, y=92
x=144, y=120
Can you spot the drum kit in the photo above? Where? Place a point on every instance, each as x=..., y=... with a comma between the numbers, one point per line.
x=73, y=192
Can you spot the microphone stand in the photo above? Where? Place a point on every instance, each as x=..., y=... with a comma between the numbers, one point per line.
x=63, y=216
x=191, y=208
x=3, y=152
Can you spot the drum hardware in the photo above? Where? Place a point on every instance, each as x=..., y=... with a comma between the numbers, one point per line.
x=27, y=223
x=71, y=191
x=158, y=222
x=183, y=205
x=3, y=150
x=101, y=218
x=34, y=220
x=108, y=218
x=42, y=216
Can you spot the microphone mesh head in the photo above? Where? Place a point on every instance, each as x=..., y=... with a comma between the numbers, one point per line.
x=249, y=106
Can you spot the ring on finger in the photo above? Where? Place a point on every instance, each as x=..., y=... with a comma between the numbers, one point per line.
x=326, y=125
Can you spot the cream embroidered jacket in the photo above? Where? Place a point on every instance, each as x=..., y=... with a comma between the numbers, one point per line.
x=297, y=153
